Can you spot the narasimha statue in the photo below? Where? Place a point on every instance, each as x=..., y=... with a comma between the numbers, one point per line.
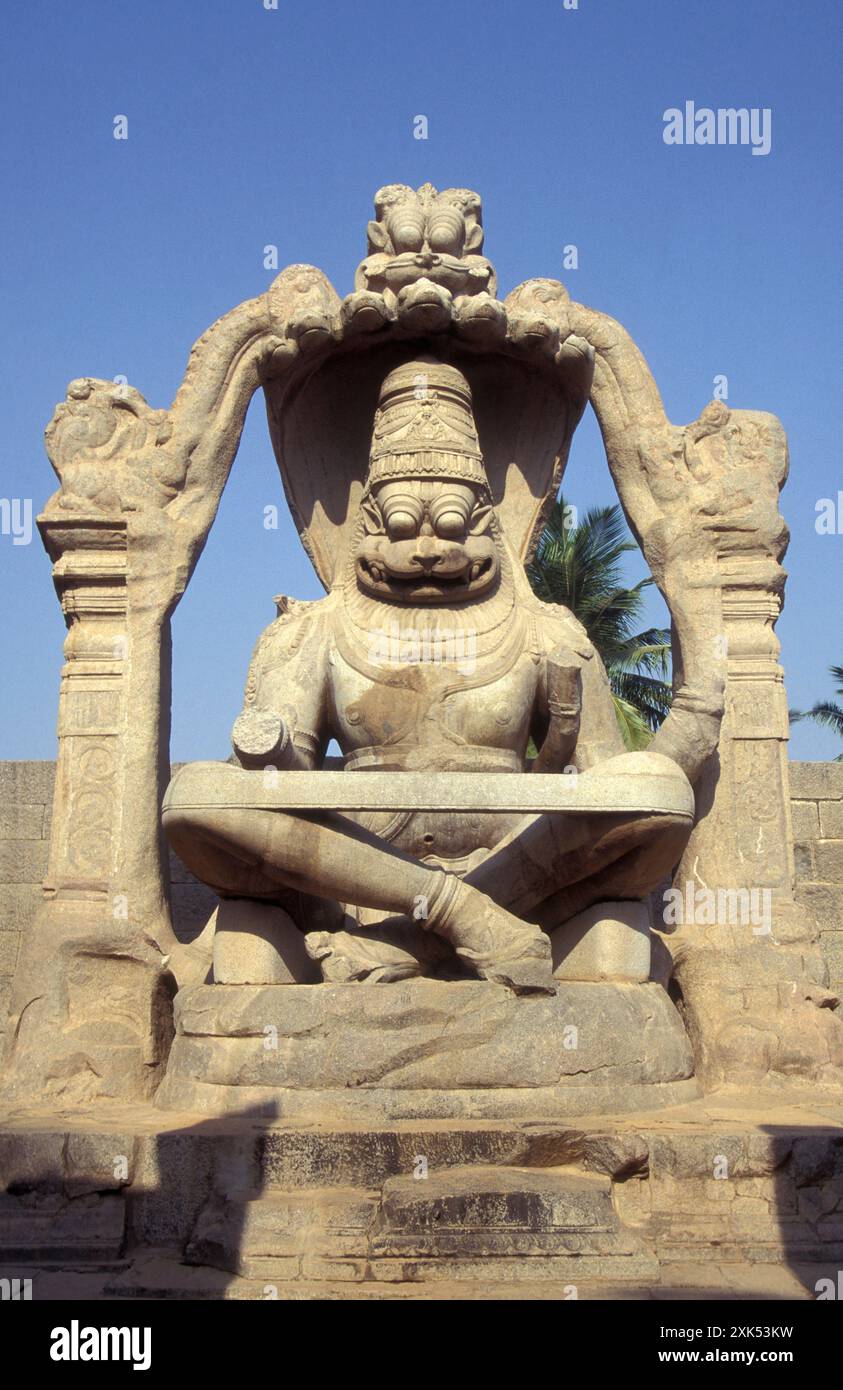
x=430, y=655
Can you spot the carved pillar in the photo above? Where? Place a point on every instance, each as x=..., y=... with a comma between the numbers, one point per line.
x=99, y=1025
x=743, y=839
x=703, y=502
x=89, y=573
x=747, y=958
x=91, y=1008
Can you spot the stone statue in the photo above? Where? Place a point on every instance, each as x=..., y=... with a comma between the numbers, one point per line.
x=431, y=654
x=421, y=427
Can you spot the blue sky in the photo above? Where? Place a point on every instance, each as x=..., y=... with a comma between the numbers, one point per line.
x=250, y=126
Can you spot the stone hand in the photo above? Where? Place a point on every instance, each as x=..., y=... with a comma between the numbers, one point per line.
x=260, y=738
x=564, y=702
x=564, y=686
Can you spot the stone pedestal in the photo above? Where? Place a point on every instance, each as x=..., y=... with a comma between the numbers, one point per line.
x=425, y=1048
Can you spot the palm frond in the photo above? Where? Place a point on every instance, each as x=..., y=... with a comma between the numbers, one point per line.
x=827, y=714
x=581, y=568
x=635, y=731
x=649, y=696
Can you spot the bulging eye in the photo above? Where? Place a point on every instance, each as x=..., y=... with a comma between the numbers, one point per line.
x=406, y=228
x=450, y=524
x=401, y=525
x=446, y=231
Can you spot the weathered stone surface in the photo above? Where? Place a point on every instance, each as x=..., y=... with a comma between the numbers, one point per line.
x=425, y=1034
x=98, y=1162
x=193, y=905
x=500, y=1271
x=620, y=1156
x=632, y=1279
x=8, y=952
x=295, y=1158
x=832, y=943
x=643, y=786
x=608, y=941
x=23, y=861
x=179, y=872
x=702, y=1153
x=831, y=820
x=21, y=821
x=816, y=781
x=253, y=1237
x=174, y=1176
x=509, y=1205
x=18, y=904
x=384, y=1105
x=27, y=783
x=824, y=901
x=462, y=1215
x=32, y=1160
x=482, y=1203
x=803, y=861
x=49, y=1226
x=828, y=857
x=256, y=943
x=806, y=819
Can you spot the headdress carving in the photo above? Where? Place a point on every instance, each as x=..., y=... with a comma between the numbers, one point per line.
x=424, y=426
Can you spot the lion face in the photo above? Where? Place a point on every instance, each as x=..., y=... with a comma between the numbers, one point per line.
x=427, y=542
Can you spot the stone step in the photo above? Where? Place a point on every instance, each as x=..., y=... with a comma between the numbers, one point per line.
x=367, y=1157
x=156, y=1274
x=506, y=1200
x=472, y=1213
x=444, y=1225
x=48, y=1226
x=281, y=1227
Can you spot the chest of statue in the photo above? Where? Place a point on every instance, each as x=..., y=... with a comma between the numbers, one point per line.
x=413, y=689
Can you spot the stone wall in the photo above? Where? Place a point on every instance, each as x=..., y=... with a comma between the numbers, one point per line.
x=26, y=802
x=816, y=791
x=26, y=791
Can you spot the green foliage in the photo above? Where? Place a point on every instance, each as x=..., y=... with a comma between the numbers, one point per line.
x=827, y=713
x=580, y=567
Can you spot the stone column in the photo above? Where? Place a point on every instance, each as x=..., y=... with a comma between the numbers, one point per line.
x=89, y=573
x=91, y=1008
x=743, y=838
x=99, y=1025
x=703, y=502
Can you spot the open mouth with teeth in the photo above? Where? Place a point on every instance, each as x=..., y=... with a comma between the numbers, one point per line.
x=428, y=583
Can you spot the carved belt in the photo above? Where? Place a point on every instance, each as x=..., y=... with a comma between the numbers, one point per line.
x=464, y=757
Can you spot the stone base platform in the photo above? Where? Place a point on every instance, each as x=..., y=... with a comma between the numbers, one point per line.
x=426, y=1049
x=734, y=1196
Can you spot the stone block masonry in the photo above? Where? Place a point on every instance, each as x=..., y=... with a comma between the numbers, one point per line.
x=817, y=807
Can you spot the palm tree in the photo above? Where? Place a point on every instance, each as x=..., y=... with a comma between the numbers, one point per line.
x=825, y=712
x=580, y=567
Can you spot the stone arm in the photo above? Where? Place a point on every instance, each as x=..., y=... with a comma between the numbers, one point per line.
x=574, y=723
x=164, y=470
x=283, y=723
x=699, y=498
x=675, y=503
